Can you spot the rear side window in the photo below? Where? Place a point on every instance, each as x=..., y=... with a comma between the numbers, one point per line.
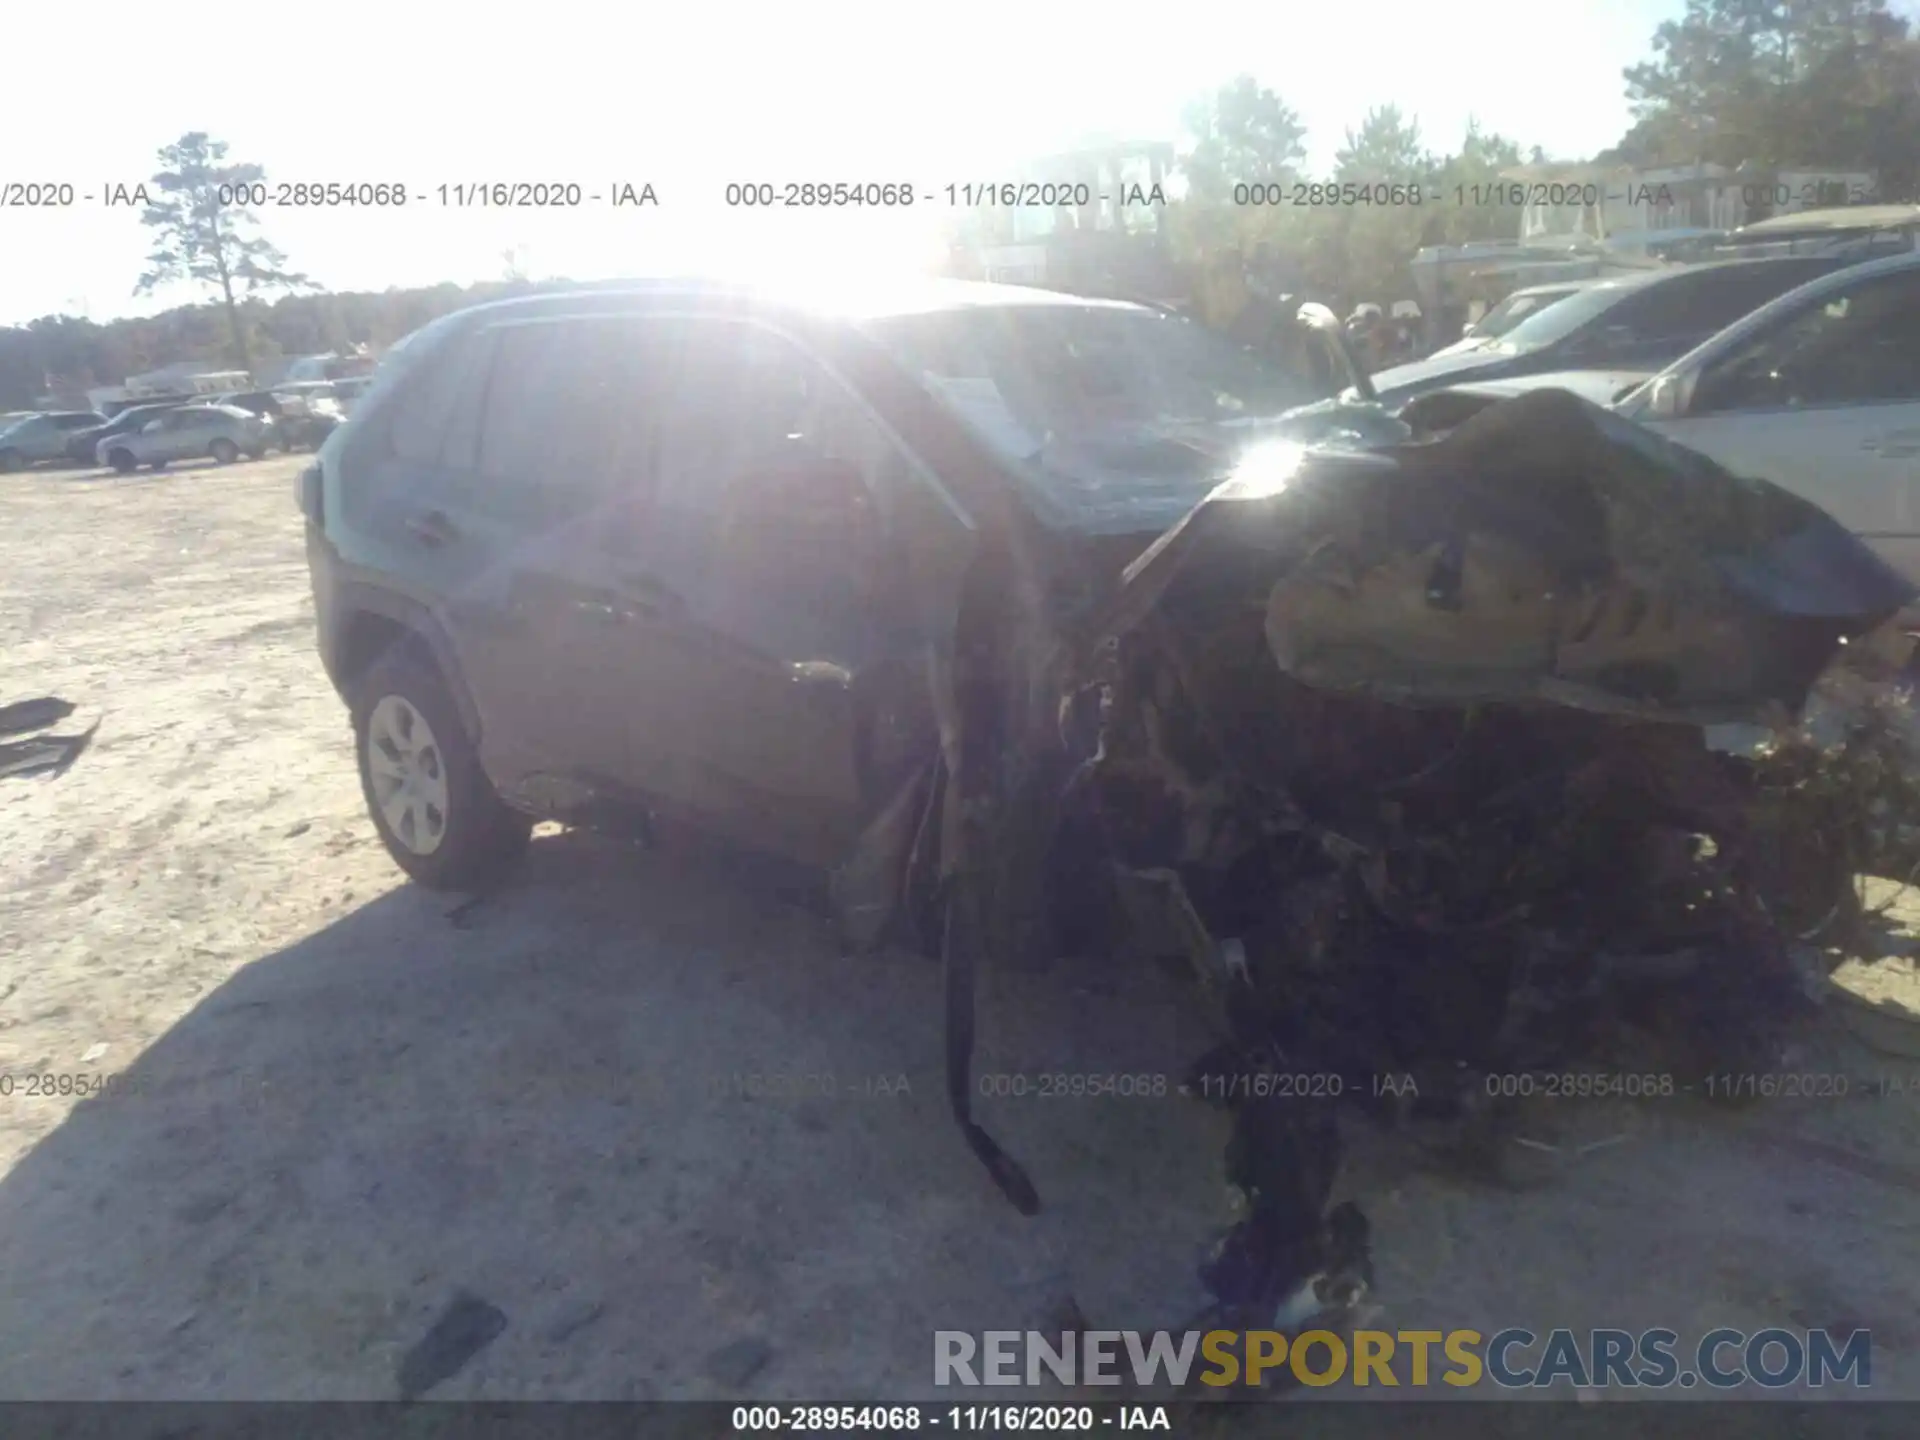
x=1696, y=306
x=1858, y=346
x=422, y=415
x=560, y=432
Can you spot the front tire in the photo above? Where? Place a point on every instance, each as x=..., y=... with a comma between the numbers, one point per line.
x=123, y=461
x=433, y=806
x=10, y=461
x=224, y=451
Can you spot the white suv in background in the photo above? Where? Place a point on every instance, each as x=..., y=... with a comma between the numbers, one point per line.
x=1819, y=392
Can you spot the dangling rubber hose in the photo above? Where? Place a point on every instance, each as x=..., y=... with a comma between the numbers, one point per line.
x=959, y=945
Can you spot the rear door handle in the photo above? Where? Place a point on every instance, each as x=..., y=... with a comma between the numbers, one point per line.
x=432, y=529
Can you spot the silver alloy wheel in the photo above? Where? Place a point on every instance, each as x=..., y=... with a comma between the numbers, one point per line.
x=408, y=774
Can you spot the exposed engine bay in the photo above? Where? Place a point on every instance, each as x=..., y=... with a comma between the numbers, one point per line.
x=1402, y=751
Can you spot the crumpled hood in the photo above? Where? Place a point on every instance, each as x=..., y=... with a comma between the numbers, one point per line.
x=1547, y=550
x=1141, y=480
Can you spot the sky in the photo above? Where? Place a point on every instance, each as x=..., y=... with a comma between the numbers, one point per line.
x=690, y=98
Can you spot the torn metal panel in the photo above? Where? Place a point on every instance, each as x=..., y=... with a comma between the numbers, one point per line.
x=1547, y=550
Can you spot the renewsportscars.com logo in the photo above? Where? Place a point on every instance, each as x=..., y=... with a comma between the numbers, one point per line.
x=1512, y=1359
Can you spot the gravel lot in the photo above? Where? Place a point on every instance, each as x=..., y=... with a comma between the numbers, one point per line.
x=337, y=1102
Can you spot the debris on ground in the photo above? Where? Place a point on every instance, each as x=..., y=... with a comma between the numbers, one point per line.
x=732, y=1366
x=466, y=1327
x=22, y=716
x=49, y=755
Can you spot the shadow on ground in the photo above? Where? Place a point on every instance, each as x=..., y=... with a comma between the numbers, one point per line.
x=650, y=1114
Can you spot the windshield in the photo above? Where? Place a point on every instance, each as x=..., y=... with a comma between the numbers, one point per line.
x=1026, y=374
x=1553, y=323
x=1515, y=308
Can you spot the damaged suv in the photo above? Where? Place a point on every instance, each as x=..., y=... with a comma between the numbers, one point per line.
x=689, y=549
x=1031, y=621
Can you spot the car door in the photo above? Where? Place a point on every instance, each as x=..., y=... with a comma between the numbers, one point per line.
x=183, y=434
x=540, y=610
x=767, y=529
x=1826, y=402
x=67, y=427
x=32, y=440
x=149, y=443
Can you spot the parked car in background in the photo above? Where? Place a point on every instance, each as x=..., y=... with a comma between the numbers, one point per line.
x=1631, y=324
x=224, y=432
x=1520, y=305
x=1818, y=392
x=83, y=446
x=347, y=393
x=42, y=436
x=290, y=431
x=309, y=411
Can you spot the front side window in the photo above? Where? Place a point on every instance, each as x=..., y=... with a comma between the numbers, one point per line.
x=417, y=423
x=1512, y=310
x=770, y=474
x=1717, y=298
x=1555, y=323
x=1860, y=345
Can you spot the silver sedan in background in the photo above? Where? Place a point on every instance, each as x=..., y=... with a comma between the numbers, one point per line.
x=224, y=432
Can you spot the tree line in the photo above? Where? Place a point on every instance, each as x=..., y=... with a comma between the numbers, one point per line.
x=1768, y=83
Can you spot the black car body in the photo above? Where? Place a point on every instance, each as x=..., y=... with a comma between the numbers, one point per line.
x=308, y=412
x=294, y=430
x=263, y=403
x=1636, y=323
x=1013, y=611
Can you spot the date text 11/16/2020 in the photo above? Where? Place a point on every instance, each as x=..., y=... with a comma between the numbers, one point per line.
x=1321, y=194
x=1523, y=194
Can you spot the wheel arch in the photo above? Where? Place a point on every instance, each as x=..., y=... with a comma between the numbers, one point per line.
x=375, y=624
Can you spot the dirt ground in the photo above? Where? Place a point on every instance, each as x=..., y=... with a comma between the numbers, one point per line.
x=334, y=1102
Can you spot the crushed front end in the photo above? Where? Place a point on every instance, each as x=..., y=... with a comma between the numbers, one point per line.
x=1402, y=751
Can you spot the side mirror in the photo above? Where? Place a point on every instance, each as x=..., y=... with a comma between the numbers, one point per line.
x=1667, y=398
